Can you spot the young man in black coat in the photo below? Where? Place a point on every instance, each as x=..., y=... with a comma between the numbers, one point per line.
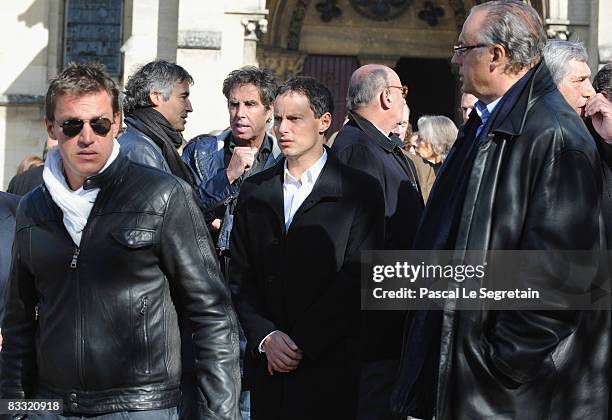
x=295, y=247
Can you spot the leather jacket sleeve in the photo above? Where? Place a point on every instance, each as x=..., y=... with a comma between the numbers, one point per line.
x=190, y=264
x=521, y=343
x=17, y=358
x=140, y=150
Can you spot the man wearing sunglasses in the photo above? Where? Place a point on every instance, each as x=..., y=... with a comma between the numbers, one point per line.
x=523, y=175
x=376, y=100
x=104, y=252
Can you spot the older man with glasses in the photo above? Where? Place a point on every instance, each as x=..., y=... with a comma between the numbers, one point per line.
x=376, y=100
x=524, y=174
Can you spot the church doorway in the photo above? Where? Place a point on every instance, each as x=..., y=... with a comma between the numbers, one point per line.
x=432, y=87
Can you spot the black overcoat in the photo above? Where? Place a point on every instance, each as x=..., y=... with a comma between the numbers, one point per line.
x=304, y=282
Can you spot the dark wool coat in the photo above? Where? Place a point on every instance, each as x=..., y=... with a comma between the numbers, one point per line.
x=362, y=146
x=305, y=283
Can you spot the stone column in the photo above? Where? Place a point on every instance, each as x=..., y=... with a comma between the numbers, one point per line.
x=154, y=32
x=556, y=23
x=253, y=27
x=604, y=32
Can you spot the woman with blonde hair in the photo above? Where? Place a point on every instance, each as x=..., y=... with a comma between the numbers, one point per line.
x=437, y=134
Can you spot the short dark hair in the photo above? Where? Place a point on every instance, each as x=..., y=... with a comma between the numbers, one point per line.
x=263, y=79
x=79, y=80
x=319, y=96
x=602, y=82
x=156, y=76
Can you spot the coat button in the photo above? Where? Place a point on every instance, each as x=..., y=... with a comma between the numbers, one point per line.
x=74, y=406
x=73, y=396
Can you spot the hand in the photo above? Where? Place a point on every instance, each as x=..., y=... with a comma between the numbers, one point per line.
x=242, y=160
x=215, y=225
x=600, y=111
x=282, y=353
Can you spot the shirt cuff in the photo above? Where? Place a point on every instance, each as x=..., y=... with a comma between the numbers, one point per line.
x=260, y=347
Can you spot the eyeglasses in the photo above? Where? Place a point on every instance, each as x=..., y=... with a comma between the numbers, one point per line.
x=101, y=126
x=462, y=49
x=403, y=88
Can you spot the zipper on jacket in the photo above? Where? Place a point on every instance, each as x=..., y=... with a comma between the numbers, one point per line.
x=75, y=257
x=144, y=306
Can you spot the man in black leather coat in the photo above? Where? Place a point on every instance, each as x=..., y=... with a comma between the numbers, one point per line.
x=524, y=174
x=8, y=208
x=106, y=251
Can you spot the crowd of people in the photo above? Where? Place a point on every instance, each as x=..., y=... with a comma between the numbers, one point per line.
x=154, y=278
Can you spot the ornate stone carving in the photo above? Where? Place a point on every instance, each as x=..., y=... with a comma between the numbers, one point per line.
x=253, y=28
x=328, y=10
x=285, y=64
x=558, y=32
x=459, y=12
x=295, y=26
x=380, y=10
x=431, y=13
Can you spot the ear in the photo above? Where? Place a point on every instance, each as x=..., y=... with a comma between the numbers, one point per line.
x=386, y=101
x=49, y=126
x=117, y=124
x=324, y=123
x=499, y=57
x=270, y=113
x=156, y=98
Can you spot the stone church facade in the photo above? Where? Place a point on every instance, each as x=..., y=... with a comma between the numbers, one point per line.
x=327, y=39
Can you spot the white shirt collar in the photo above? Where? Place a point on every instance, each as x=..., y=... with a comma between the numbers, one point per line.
x=309, y=176
x=295, y=191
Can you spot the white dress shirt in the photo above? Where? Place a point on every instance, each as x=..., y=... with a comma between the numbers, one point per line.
x=295, y=191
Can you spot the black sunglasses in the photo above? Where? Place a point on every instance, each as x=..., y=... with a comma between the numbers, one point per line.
x=101, y=126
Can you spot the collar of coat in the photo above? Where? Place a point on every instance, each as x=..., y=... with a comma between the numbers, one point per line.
x=371, y=131
x=509, y=117
x=270, y=189
x=108, y=175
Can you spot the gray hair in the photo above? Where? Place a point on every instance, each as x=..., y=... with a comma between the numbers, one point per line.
x=439, y=131
x=364, y=87
x=602, y=82
x=156, y=76
x=262, y=79
x=518, y=28
x=557, y=55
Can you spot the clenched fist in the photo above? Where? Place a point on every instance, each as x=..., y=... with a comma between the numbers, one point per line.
x=242, y=160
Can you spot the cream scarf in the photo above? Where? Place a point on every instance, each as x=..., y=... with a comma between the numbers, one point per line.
x=76, y=205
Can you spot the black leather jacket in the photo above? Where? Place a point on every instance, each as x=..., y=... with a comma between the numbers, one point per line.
x=535, y=185
x=96, y=325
